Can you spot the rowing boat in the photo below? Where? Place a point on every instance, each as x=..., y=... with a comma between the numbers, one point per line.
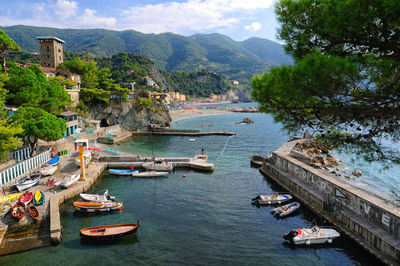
x=9, y=197
x=108, y=232
x=277, y=197
x=38, y=199
x=96, y=197
x=33, y=211
x=70, y=180
x=48, y=169
x=26, y=198
x=122, y=171
x=18, y=210
x=28, y=182
x=150, y=174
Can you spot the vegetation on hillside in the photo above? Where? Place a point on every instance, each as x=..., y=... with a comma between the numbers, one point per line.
x=345, y=83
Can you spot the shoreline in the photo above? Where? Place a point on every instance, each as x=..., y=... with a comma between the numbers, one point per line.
x=177, y=115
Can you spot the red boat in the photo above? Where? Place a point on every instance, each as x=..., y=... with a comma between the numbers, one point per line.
x=33, y=211
x=26, y=198
x=108, y=232
x=18, y=210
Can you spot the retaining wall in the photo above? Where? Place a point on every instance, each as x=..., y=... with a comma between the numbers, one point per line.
x=369, y=219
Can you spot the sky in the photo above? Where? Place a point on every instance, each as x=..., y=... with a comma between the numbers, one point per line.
x=238, y=19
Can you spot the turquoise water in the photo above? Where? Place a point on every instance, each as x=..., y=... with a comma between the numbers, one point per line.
x=203, y=219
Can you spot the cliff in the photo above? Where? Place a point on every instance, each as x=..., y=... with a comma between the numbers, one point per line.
x=128, y=116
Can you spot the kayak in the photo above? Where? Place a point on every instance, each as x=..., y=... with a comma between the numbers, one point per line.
x=38, y=199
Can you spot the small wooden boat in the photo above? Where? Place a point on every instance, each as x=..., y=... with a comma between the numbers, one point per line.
x=286, y=210
x=70, y=180
x=97, y=198
x=122, y=171
x=162, y=166
x=33, y=211
x=18, y=210
x=314, y=235
x=98, y=206
x=150, y=174
x=26, y=198
x=108, y=232
x=28, y=182
x=54, y=161
x=38, y=198
x=9, y=197
x=48, y=170
x=277, y=197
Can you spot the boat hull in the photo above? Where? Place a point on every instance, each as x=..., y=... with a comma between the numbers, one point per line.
x=48, y=170
x=150, y=174
x=26, y=198
x=158, y=166
x=309, y=236
x=108, y=233
x=70, y=180
x=28, y=182
x=34, y=213
x=271, y=199
x=286, y=210
x=95, y=198
x=38, y=199
x=98, y=206
x=122, y=171
x=18, y=211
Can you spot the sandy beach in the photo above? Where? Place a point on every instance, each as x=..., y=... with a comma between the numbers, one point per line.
x=177, y=115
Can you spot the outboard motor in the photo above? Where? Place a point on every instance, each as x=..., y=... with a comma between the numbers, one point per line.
x=290, y=235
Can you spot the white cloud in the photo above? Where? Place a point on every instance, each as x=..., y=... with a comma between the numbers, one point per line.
x=192, y=15
x=64, y=8
x=90, y=19
x=255, y=26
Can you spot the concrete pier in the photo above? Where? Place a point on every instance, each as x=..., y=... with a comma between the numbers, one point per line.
x=368, y=219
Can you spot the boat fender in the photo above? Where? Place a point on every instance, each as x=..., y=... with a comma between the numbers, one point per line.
x=329, y=241
x=269, y=202
x=279, y=202
x=308, y=242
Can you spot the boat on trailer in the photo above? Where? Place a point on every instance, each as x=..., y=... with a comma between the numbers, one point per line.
x=122, y=171
x=286, y=210
x=96, y=197
x=150, y=174
x=98, y=206
x=107, y=233
x=278, y=197
x=313, y=235
x=28, y=181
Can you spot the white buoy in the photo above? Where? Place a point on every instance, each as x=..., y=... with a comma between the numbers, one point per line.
x=329, y=241
x=308, y=242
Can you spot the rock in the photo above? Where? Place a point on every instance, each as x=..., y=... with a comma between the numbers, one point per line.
x=246, y=121
x=319, y=159
x=331, y=161
x=357, y=173
x=316, y=165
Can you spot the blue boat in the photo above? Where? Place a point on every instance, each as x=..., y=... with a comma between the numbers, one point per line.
x=122, y=171
x=54, y=161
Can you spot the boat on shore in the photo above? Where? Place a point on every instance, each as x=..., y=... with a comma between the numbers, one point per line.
x=277, y=197
x=18, y=210
x=54, y=161
x=70, y=180
x=159, y=166
x=108, y=233
x=150, y=174
x=38, y=198
x=286, y=210
x=9, y=197
x=96, y=197
x=28, y=181
x=98, y=206
x=122, y=171
x=26, y=198
x=48, y=170
x=33, y=211
x=313, y=235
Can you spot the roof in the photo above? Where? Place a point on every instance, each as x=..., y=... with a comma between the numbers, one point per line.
x=49, y=37
x=68, y=113
x=48, y=69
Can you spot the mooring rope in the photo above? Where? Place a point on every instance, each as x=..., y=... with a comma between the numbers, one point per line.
x=223, y=149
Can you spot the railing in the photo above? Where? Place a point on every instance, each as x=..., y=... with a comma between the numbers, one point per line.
x=21, y=154
x=23, y=167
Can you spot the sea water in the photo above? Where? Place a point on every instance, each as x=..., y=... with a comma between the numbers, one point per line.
x=200, y=219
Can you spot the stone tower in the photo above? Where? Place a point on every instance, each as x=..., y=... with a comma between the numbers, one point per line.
x=51, y=51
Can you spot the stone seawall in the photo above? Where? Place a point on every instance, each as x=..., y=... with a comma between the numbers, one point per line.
x=370, y=220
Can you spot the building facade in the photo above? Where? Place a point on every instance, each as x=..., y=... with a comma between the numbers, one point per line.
x=51, y=51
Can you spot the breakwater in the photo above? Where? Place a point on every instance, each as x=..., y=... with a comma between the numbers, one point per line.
x=368, y=219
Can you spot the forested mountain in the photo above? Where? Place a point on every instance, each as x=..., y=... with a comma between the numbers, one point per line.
x=170, y=52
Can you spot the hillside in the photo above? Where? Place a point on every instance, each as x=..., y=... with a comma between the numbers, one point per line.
x=170, y=52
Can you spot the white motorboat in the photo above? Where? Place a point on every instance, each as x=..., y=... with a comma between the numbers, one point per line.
x=150, y=174
x=48, y=170
x=286, y=210
x=277, y=197
x=28, y=181
x=313, y=235
x=70, y=180
x=96, y=197
x=159, y=166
